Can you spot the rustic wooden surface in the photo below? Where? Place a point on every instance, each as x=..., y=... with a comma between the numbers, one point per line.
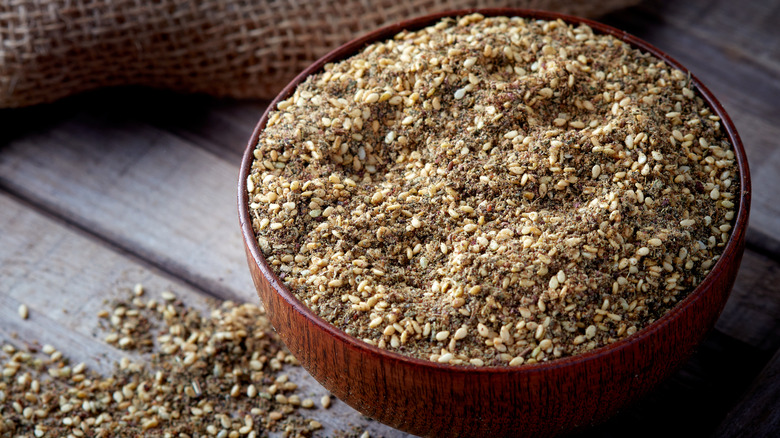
x=105, y=190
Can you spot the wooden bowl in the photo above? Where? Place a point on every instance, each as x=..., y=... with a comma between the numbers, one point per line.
x=431, y=399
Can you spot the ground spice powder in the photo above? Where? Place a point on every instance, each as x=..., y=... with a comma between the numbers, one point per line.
x=493, y=191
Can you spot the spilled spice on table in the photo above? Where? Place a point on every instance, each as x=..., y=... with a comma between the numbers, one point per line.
x=222, y=374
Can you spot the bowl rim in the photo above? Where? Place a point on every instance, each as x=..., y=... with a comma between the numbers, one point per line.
x=354, y=46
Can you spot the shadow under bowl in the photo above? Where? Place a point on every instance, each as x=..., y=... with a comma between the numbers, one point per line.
x=544, y=399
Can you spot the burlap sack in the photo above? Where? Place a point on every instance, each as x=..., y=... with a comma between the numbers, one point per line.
x=238, y=48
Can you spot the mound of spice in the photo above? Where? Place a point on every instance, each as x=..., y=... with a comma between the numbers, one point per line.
x=221, y=375
x=493, y=191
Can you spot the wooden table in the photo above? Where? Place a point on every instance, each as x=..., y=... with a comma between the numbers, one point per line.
x=112, y=188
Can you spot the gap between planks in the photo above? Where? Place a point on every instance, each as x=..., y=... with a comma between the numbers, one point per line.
x=146, y=191
x=117, y=248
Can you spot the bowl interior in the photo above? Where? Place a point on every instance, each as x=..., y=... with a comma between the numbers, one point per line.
x=713, y=290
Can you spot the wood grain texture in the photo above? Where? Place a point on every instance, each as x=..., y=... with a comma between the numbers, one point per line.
x=696, y=398
x=757, y=415
x=752, y=314
x=146, y=190
x=65, y=277
x=50, y=159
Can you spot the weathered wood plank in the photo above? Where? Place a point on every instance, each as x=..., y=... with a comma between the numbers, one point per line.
x=752, y=313
x=220, y=126
x=754, y=267
x=65, y=278
x=696, y=398
x=108, y=149
x=146, y=190
x=172, y=204
x=751, y=26
x=757, y=415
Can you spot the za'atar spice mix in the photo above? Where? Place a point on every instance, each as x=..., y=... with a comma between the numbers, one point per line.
x=493, y=191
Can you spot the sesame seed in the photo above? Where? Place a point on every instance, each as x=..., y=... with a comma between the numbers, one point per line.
x=172, y=368
x=372, y=98
x=23, y=311
x=446, y=358
x=505, y=224
x=461, y=333
x=168, y=296
x=715, y=194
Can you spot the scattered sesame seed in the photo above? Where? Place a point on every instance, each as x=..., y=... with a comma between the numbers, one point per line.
x=167, y=396
x=168, y=296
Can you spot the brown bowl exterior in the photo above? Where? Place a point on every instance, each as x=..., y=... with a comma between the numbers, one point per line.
x=431, y=399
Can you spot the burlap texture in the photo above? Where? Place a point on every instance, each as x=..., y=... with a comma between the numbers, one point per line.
x=238, y=48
